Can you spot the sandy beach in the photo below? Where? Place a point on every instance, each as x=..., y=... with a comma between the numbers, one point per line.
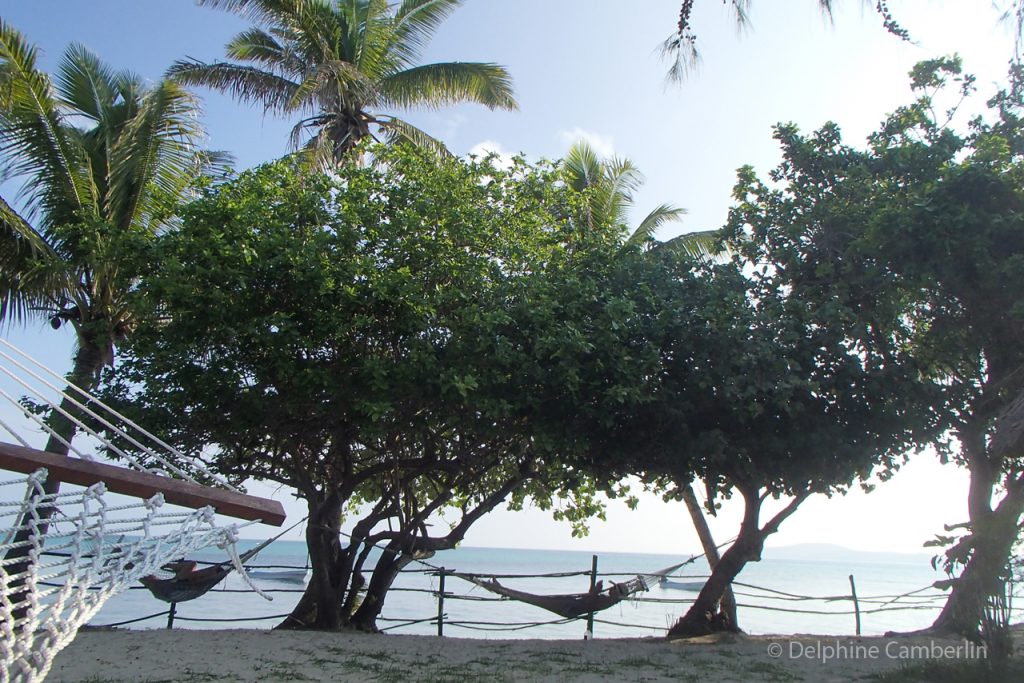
x=160, y=656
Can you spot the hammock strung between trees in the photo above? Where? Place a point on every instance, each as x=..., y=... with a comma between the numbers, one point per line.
x=189, y=583
x=574, y=605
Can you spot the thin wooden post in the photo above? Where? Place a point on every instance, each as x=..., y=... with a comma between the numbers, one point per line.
x=440, y=604
x=170, y=615
x=856, y=605
x=593, y=585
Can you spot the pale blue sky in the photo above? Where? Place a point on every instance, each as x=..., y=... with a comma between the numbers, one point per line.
x=591, y=68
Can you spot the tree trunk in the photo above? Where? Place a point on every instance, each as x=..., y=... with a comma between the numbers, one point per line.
x=993, y=532
x=707, y=541
x=700, y=619
x=321, y=604
x=391, y=562
x=992, y=539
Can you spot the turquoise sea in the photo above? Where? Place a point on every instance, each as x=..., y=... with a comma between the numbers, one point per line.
x=774, y=599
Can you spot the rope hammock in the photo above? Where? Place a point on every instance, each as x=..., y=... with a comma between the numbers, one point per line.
x=574, y=605
x=63, y=555
x=90, y=552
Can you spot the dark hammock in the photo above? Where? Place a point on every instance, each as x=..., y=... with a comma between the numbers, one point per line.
x=573, y=605
x=189, y=583
x=184, y=587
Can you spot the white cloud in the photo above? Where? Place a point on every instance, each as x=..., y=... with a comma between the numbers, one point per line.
x=482, y=149
x=603, y=145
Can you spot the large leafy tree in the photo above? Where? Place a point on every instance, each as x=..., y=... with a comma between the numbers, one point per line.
x=343, y=64
x=103, y=159
x=781, y=405
x=376, y=338
x=919, y=237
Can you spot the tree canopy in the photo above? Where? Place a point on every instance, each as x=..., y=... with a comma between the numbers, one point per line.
x=918, y=238
x=381, y=340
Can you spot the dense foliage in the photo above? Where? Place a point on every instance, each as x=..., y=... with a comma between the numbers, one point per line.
x=918, y=240
x=393, y=342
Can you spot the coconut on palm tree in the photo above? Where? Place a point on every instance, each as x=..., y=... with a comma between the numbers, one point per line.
x=103, y=160
x=341, y=64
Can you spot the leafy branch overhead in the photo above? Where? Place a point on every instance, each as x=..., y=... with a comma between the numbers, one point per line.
x=681, y=50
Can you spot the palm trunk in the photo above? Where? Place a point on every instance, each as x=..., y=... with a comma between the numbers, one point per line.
x=87, y=364
x=707, y=541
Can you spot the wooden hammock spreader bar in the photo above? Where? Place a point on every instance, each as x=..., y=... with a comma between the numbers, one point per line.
x=141, y=484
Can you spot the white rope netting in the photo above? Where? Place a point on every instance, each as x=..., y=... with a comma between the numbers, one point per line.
x=63, y=555
x=90, y=552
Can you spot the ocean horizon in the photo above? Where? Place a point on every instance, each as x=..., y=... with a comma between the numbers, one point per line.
x=794, y=589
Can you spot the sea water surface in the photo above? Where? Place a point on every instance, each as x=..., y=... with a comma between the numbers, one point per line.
x=774, y=598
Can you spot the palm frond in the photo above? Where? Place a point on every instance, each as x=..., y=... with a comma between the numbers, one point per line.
x=155, y=157
x=416, y=22
x=27, y=266
x=261, y=11
x=246, y=83
x=261, y=47
x=396, y=130
x=664, y=213
x=215, y=163
x=372, y=31
x=702, y=245
x=317, y=152
x=624, y=177
x=301, y=129
x=85, y=84
x=583, y=166
x=335, y=81
x=441, y=84
x=35, y=142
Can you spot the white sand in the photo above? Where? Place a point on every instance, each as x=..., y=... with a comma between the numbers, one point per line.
x=240, y=655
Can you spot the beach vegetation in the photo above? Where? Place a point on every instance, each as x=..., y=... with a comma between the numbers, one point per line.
x=384, y=340
x=917, y=242
x=340, y=65
x=103, y=159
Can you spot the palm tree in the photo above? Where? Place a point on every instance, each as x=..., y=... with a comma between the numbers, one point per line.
x=103, y=161
x=610, y=184
x=338, y=62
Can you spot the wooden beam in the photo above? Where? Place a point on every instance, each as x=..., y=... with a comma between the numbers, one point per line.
x=141, y=484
